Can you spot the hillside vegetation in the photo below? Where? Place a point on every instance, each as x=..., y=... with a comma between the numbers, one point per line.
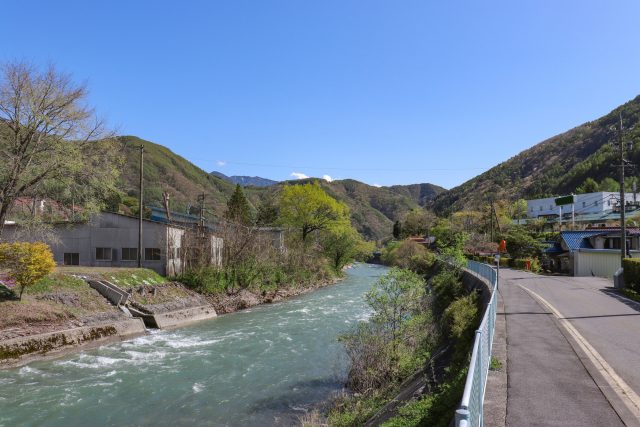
x=373, y=209
x=556, y=166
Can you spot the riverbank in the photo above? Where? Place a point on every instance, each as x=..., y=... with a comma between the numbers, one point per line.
x=63, y=314
x=266, y=366
x=229, y=303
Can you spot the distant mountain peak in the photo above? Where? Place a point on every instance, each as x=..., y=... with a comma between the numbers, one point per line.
x=245, y=180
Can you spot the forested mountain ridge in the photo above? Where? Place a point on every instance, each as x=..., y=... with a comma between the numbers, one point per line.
x=373, y=209
x=419, y=193
x=244, y=180
x=558, y=165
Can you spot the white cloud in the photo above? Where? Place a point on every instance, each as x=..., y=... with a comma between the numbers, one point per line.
x=327, y=178
x=221, y=163
x=299, y=175
x=377, y=185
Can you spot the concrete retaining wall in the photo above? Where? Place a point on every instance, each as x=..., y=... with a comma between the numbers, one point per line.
x=111, y=292
x=22, y=350
x=175, y=319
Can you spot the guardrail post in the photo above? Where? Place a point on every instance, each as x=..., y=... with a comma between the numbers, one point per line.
x=462, y=417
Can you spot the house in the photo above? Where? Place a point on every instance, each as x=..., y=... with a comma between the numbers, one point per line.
x=592, y=252
x=111, y=240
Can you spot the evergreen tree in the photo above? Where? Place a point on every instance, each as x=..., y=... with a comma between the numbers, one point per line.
x=238, y=209
x=267, y=214
x=588, y=186
x=397, y=229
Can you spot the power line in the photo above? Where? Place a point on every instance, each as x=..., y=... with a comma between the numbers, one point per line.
x=330, y=168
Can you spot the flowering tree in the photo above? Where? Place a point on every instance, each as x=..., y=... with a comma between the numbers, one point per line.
x=26, y=263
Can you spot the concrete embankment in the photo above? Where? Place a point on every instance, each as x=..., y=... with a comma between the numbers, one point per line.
x=19, y=351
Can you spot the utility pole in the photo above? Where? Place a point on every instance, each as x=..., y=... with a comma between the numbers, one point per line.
x=491, y=218
x=623, y=231
x=201, y=224
x=140, y=206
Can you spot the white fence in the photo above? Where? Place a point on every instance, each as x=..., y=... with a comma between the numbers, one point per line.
x=470, y=412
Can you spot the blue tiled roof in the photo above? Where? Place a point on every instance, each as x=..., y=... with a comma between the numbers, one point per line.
x=578, y=239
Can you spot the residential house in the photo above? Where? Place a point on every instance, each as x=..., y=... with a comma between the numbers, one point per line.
x=593, y=252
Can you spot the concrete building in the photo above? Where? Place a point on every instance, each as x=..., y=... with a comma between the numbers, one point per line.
x=585, y=204
x=111, y=240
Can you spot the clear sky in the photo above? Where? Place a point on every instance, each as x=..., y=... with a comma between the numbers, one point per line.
x=386, y=92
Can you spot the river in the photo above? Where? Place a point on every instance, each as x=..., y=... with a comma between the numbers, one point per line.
x=258, y=367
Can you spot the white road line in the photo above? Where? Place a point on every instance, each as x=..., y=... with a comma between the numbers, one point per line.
x=618, y=385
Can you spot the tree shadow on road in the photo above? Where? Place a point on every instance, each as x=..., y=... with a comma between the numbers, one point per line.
x=615, y=294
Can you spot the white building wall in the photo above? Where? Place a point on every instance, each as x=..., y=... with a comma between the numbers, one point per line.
x=589, y=203
x=598, y=262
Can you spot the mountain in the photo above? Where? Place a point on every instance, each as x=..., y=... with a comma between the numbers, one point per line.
x=245, y=181
x=419, y=193
x=166, y=171
x=373, y=209
x=556, y=166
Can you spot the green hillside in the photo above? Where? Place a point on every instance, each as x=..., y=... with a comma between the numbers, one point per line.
x=419, y=193
x=373, y=209
x=166, y=171
x=556, y=166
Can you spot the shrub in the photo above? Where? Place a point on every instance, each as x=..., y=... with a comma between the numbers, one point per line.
x=27, y=262
x=632, y=273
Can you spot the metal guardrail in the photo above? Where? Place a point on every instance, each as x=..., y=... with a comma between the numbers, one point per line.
x=470, y=411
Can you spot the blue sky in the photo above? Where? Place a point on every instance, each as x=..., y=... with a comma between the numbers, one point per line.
x=384, y=92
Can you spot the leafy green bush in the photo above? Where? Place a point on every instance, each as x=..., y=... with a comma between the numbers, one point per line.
x=632, y=273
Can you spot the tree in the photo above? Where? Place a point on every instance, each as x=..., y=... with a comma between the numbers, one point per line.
x=417, y=222
x=521, y=244
x=238, y=209
x=609, y=184
x=394, y=298
x=309, y=208
x=397, y=230
x=48, y=139
x=27, y=262
x=588, y=186
x=342, y=244
x=267, y=214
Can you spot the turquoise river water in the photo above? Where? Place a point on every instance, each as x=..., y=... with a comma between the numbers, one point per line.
x=259, y=367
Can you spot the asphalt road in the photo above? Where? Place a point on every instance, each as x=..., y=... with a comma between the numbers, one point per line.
x=548, y=385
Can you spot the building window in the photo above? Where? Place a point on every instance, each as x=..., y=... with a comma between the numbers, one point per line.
x=103, y=254
x=531, y=208
x=71, y=258
x=596, y=203
x=609, y=203
x=129, y=254
x=541, y=207
x=584, y=204
x=152, y=254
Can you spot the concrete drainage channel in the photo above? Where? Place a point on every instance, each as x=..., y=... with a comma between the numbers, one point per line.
x=165, y=320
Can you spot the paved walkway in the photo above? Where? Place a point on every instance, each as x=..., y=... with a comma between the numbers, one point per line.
x=548, y=380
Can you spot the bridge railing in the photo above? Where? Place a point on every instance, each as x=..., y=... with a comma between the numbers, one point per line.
x=470, y=411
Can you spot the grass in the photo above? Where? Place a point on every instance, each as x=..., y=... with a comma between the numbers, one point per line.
x=125, y=278
x=56, y=298
x=631, y=294
x=495, y=364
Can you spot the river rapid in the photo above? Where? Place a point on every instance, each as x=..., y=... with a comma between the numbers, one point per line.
x=259, y=367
